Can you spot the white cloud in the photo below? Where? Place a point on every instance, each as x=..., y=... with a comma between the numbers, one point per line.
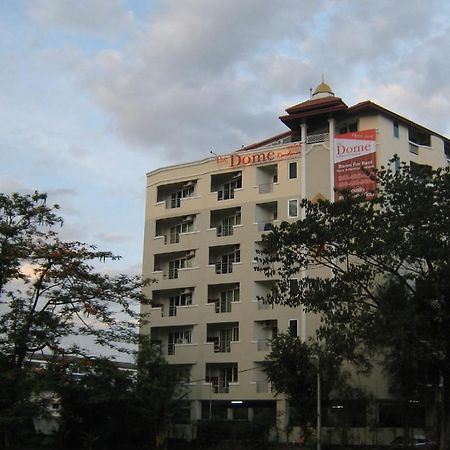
x=92, y=16
x=208, y=74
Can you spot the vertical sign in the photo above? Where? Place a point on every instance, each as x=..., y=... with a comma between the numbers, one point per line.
x=354, y=154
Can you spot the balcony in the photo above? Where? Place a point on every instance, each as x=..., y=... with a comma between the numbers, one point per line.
x=221, y=376
x=262, y=385
x=169, y=301
x=263, y=332
x=265, y=215
x=171, y=229
x=222, y=257
x=170, y=339
x=220, y=336
x=224, y=221
x=173, y=194
x=266, y=178
x=225, y=184
x=222, y=296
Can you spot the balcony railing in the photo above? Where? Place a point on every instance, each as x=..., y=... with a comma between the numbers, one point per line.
x=224, y=230
x=316, y=138
x=222, y=347
x=263, y=345
x=220, y=307
x=223, y=267
x=173, y=203
x=263, y=305
x=219, y=385
x=262, y=387
x=265, y=188
x=225, y=194
x=265, y=225
x=413, y=148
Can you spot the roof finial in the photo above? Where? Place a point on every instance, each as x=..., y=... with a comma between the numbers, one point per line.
x=323, y=90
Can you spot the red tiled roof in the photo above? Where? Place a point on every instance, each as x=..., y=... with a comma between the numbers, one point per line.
x=368, y=106
x=317, y=103
x=265, y=141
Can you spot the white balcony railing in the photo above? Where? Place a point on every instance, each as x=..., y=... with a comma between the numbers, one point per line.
x=316, y=138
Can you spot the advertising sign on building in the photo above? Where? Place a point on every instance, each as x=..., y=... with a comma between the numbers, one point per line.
x=354, y=160
x=239, y=159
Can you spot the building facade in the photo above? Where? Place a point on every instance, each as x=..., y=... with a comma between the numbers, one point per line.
x=204, y=224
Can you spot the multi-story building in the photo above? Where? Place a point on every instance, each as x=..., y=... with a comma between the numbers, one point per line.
x=205, y=221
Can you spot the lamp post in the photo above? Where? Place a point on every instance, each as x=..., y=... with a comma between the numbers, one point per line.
x=319, y=407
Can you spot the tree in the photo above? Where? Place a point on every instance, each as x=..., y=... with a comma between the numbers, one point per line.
x=21, y=219
x=51, y=290
x=97, y=403
x=292, y=368
x=159, y=394
x=362, y=252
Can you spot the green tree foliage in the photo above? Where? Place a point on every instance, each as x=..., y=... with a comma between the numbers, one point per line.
x=96, y=399
x=381, y=274
x=51, y=290
x=159, y=394
x=292, y=368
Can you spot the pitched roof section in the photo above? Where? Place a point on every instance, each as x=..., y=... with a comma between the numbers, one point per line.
x=311, y=108
x=317, y=103
x=265, y=141
x=370, y=107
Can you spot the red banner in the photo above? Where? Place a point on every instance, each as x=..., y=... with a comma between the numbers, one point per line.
x=354, y=154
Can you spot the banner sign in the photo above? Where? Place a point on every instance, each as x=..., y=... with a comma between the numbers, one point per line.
x=239, y=159
x=354, y=152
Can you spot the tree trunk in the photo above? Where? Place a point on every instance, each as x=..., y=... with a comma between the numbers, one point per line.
x=444, y=441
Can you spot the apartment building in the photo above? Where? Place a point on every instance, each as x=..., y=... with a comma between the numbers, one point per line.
x=205, y=221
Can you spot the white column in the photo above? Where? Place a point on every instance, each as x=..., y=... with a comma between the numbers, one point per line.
x=304, y=130
x=331, y=130
x=196, y=410
x=282, y=419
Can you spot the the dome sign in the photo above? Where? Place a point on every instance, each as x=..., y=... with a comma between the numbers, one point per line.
x=354, y=159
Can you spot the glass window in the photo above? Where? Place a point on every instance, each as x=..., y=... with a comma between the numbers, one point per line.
x=292, y=170
x=293, y=208
x=396, y=130
x=293, y=327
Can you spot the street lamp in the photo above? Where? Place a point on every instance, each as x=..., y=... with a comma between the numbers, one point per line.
x=319, y=407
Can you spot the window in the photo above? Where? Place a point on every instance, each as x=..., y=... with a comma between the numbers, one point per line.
x=226, y=227
x=178, y=337
x=292, y=170
x=175, y=198
x=293, y=327
x=293, y=208
x=181, y=263
x=396, y=129
x=225, y=265
x=179, y=300
x=174, y=233
x=350, y=127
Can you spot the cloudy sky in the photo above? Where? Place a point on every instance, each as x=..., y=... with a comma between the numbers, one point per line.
x=95, y=93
